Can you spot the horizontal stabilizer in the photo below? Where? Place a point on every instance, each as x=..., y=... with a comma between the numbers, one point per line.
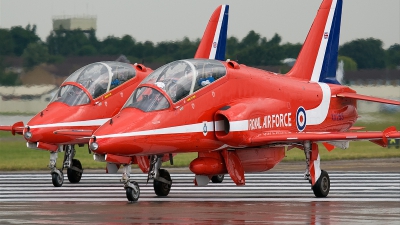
x=367, y=98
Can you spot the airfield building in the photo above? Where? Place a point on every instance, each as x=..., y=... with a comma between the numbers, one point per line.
x=85, y=23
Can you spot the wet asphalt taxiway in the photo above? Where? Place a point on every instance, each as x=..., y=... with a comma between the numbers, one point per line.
x=362, y=192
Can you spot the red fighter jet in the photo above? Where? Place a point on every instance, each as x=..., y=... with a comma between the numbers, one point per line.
x=92, y=95
x=237, y=118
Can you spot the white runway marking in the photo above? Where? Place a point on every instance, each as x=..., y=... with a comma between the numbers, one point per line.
x=260, y=187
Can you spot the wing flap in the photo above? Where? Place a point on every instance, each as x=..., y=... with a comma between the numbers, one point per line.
x=380, y=137
x=367, y=98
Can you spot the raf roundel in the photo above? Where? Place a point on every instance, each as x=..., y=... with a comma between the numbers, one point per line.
x=205, y=128
x=301, y=118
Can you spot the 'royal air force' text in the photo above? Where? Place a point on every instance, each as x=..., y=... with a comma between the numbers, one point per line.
x=270, y=121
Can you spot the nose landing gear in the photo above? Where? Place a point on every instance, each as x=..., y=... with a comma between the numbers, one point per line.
x=132, y=188
x=74, y=167
x=162, y=181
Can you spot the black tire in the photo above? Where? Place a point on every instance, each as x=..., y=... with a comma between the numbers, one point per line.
x=217, y=178
x=57, y=179
x=131, y=195
x=73, y=175
x=160, y=188
x=322, y=186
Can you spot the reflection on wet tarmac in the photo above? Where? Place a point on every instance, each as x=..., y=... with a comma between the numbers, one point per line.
x=200, y=212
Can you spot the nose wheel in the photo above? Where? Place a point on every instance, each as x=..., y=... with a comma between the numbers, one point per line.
x=132, y=191
x=57, y=177
x=131, y=187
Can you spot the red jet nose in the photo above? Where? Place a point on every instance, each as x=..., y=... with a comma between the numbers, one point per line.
x=117, y=136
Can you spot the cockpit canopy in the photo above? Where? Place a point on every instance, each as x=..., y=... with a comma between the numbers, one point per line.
x=178, y=80
x=97, y=78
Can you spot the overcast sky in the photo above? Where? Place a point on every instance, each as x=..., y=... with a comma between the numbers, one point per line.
x=174, y=19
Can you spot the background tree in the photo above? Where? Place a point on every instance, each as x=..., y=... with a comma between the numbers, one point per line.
x=291, y=50
x=23, y=37
x=232, y=44
x=7, y=78
x=349, y=63
x=35, y=54
x=68, y=42
x=393, y=56
x=253, y=49
x=6, y=42
x=367, y=53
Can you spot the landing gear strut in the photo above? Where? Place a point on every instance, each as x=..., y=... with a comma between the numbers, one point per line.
x=132, y=188
x=74, y=166
x=319, y=179
x=162, y=180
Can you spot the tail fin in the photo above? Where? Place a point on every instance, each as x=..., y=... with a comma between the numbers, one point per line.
x=317, y=60
x=213, y=43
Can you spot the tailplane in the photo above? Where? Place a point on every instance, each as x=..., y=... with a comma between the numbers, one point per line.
x=213, y=42
x=317, y=60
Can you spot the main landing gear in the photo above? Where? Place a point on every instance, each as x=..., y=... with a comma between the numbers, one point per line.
x=162, y=181
x=319, y=179
x=74, y=166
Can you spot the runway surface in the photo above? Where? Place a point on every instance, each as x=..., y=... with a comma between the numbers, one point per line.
x=278, y=197
x=282, y=186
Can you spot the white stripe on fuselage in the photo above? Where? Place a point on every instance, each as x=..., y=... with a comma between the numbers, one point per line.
x=191, y=128
x=97, y=122
x=322, y=48
x=318, y=115
x=217, y=32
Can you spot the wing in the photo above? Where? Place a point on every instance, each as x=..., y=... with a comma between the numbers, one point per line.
x=367, y=98
x=378, y=137
x=16, y=128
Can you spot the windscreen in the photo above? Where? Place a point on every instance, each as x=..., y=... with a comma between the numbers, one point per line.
x=184, y=77
x=71, y=95
x=147, y=99
x=99, y=78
